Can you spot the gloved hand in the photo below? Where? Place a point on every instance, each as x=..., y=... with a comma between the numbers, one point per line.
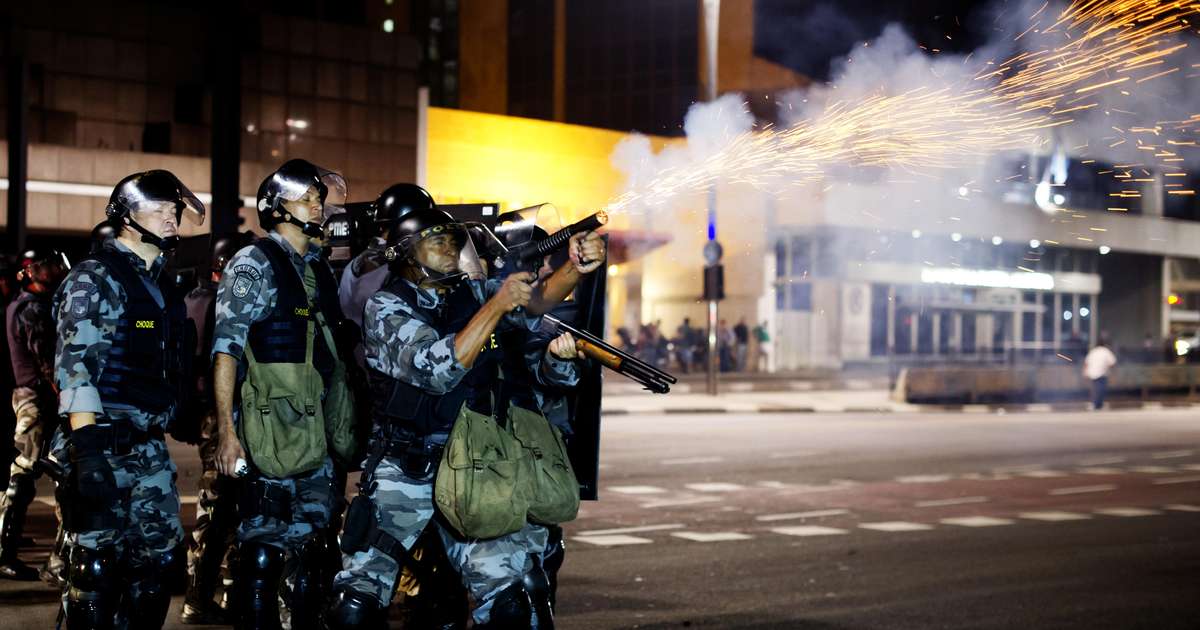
x=95, y=484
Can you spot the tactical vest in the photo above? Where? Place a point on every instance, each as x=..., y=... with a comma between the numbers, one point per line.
x=281, y=337
x=24, y=364
x=397, y=403
x=144, y=367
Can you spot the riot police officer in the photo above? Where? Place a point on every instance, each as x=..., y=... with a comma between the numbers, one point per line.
x=217, y=505
x=426, y=336
x=120, y=368
x=30, y=327
x=276, y=309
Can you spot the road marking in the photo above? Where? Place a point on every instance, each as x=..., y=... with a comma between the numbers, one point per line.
x=1174, y=480
x=1104, y=487
x=637, y=489
x=923, y=478
x=954, y=501
x=1100, y=470
x=808, y=530
x=801, y=386
x=1183, y=507
x=1044, y=474
x=714, y=487
x=774, y=485
x=672, y=502
x=987, y=477
x=711, y=537
x=796, y=515
x=1054, y=516
x=1152, y=470
x=1019, y=469
x=1191, y=466
x=1127, y=511
x=895, y=526
x=1171, y=454
x=630, y=530
x=1101, y=461
x=692, y=460
x=977, y=521
x=1039, y=408
x=612, y=541
x=741, y=387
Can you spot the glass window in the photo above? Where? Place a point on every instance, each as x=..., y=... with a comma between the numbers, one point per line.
x=780, y=258
x=879, y=322
x=801, y=256
x=968, y=333
x=801, y=296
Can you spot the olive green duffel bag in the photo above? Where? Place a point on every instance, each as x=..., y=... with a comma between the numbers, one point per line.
x=552, y=489
x=477, y=488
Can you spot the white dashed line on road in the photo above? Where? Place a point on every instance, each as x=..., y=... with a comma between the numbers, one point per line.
x=1044, y=474
x=795, y=515
x=977, y=521
x=1104, y=487
x=612, y=541
x=692, y=460
x=1127, y=511
x=923, y=478
x=1174, y=480
x=953, y=501
x=1171, y=454
x=685, y=501
x=1191, y=466
x=1054, y=517
x=630, y=530
x=715, y=487
x=1100, y=470
x=711, y=537
x=1153, y=470
x=637, y=489
x=895, y=526
x=774, y=485
x=1182, y=507
x=809, y=530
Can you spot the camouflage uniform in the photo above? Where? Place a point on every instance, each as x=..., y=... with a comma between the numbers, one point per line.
x=31, y=335
x=145, y=525
x=401, y=345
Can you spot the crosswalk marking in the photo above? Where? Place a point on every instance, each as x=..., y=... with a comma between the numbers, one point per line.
x=1171, y=454
x=630, y=530
x=1101, y=461
x=1191, y=466
x=1044, y=474
x=1174, y=480
x=711, y=537
x=895, y=526
x=681, y=501
x=1182, y=507
x=923, y=478
x=637, y=489
x=715, y=487
x=1104, y=487
x=808, y=530
x=1100, y=470
x=977, y=521
x=692, y=460
x=613, y=541
x=1127, y=511
x=1054, y=516
x=1152, y=470
x=796, y=515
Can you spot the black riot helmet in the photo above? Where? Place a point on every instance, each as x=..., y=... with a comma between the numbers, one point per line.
x=43, y=266
x=418, y=226
x=139, y=192
x=101, y=234
x=291, y=182
x=397, y=201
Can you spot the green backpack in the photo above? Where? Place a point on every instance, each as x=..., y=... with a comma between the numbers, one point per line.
x=552, y=489
x=477, y=488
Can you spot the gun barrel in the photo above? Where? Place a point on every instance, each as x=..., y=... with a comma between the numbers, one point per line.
x=587, y=224
x=654, y=379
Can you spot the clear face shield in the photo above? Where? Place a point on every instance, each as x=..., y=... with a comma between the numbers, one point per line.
x=521, y=227
x=293, y=187
x=445, y=254
x=147, y=193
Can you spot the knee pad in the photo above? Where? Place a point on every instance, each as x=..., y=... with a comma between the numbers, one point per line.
x=93, y=570
x=511, y=608
x=351, y=610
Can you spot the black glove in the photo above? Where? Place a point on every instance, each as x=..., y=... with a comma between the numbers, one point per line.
x=95, y=484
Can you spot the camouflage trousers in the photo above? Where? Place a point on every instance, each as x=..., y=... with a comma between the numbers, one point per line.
x=36, y=419
x=403, y=509
x=216, y=516
x=310, y=503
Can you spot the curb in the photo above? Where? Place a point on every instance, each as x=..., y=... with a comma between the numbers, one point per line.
x=908, y=409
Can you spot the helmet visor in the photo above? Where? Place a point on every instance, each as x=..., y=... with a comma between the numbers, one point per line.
x=520, y=227
x=446, y=253
x=152, y=188
x=293, y=186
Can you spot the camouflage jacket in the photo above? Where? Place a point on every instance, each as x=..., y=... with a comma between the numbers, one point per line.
x=32, y=323
x=88, y=305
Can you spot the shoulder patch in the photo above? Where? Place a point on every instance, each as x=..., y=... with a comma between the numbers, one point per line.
x=83, y=297
x=246, y=279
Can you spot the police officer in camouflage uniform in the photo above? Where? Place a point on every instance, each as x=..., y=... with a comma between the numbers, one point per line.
x=427, y=344
x=216, y=508
x=30, y=326
x=263, y=302
x=120, y=368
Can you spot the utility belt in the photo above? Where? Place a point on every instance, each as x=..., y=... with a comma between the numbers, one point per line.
x=416, y=454
x=121, y=437
x=257, y=497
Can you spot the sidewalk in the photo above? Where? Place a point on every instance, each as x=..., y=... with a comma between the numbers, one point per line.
x=621, y=401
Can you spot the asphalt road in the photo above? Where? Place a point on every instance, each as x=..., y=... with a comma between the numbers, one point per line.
x=840, y=521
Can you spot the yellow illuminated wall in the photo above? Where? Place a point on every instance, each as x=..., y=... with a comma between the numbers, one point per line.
x=474, y=157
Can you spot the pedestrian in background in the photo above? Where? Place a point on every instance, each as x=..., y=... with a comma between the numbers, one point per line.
x=762, y=339
x=741, y=348
x=1096, y=366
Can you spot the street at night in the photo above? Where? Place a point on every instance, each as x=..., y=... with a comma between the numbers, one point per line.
x=900, y=520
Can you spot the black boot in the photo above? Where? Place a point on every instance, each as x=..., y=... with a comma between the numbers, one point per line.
x=54, y=571
x=310, y=580
x=12, y=521
x=260, y=568
x=92, y=593
x=145, y=606
x=204, y=573
x=538, y=587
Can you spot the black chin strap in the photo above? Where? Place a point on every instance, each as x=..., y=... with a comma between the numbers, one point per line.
x=163, y=244
x=310, y=229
